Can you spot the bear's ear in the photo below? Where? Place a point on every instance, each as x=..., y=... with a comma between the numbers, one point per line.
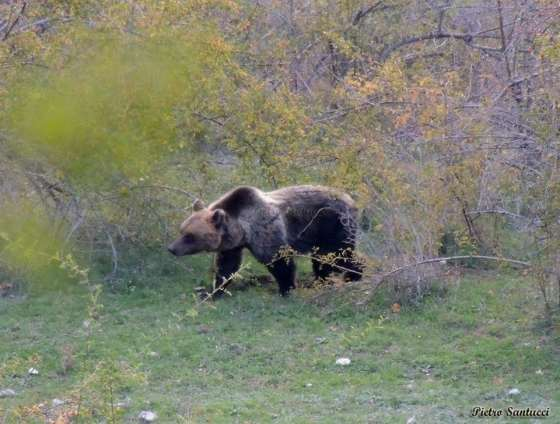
x=197, y=205
x=218, y=217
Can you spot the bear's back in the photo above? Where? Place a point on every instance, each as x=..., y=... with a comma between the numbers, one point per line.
x=310, y=197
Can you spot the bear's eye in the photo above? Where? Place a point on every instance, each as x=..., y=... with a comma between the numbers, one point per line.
x=188, y=238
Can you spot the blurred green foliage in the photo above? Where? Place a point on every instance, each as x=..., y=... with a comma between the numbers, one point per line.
x=111, y=111
x=31, y=244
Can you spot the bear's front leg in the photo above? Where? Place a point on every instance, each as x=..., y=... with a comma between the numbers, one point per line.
x=284, y=271
x=227, y=264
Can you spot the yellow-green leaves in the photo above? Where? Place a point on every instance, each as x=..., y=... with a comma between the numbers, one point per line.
x=111, y=111
x=30, y=243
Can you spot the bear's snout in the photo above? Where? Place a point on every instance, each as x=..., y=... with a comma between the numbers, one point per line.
x=172, y=250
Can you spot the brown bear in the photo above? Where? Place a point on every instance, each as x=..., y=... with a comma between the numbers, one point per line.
x=309, y=219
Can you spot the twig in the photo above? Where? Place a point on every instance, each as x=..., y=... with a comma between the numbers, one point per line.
x=498, y=212
x=513, y=83
x=115, y=257
x=467, y=38
x=362, y=13
x=208, y=118
x=15, y=21
x=321, y=260
x=76, y=225
x=164, y=187
x=311, y=221
x=221, y=287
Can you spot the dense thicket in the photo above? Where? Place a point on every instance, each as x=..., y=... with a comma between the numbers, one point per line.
x=440, y=117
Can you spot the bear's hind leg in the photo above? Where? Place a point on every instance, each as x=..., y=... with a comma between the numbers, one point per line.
x=321, y=270
x=350, y=266
x=284, y=271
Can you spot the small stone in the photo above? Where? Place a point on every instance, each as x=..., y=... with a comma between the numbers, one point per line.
x=7, y=393
x=309, y=385
x=147, y=417
x=86, y=324
x=343, y=361
x=514, y=392
x=153, y=354
x=539, y=372
x=57, y=402
x=411, y=420
x=123, y=404
x=320, y=340
x=427, y=370
x=33, y=371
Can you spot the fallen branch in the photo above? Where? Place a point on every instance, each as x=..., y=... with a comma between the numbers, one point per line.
x=454, y=258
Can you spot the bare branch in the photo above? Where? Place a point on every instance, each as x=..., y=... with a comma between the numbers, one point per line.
x=467, y=38
x=15, y=21
x=454, y=258
x=362, y=13
x=164, y=187
x=115, y=256
x=498, y=212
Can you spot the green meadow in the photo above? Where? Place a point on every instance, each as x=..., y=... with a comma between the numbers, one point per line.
x=255, y=357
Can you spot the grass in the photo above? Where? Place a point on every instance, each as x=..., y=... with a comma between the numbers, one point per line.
x=256, y=358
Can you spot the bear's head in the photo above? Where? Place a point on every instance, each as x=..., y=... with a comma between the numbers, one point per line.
x=203, y=231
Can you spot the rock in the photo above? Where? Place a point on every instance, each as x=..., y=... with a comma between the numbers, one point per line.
x=153, y=354
x=427, y=370
x=411, y=420
x=33, y=371
x=147, y=417
x=7, y=393
x=320, y=340
x=57, y=402
x=309, y=385
x=343, y=361
x=539, y=372
x=514, y=392
x=123, y=404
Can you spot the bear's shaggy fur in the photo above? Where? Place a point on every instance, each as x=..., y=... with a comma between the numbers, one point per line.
x=309, y=219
